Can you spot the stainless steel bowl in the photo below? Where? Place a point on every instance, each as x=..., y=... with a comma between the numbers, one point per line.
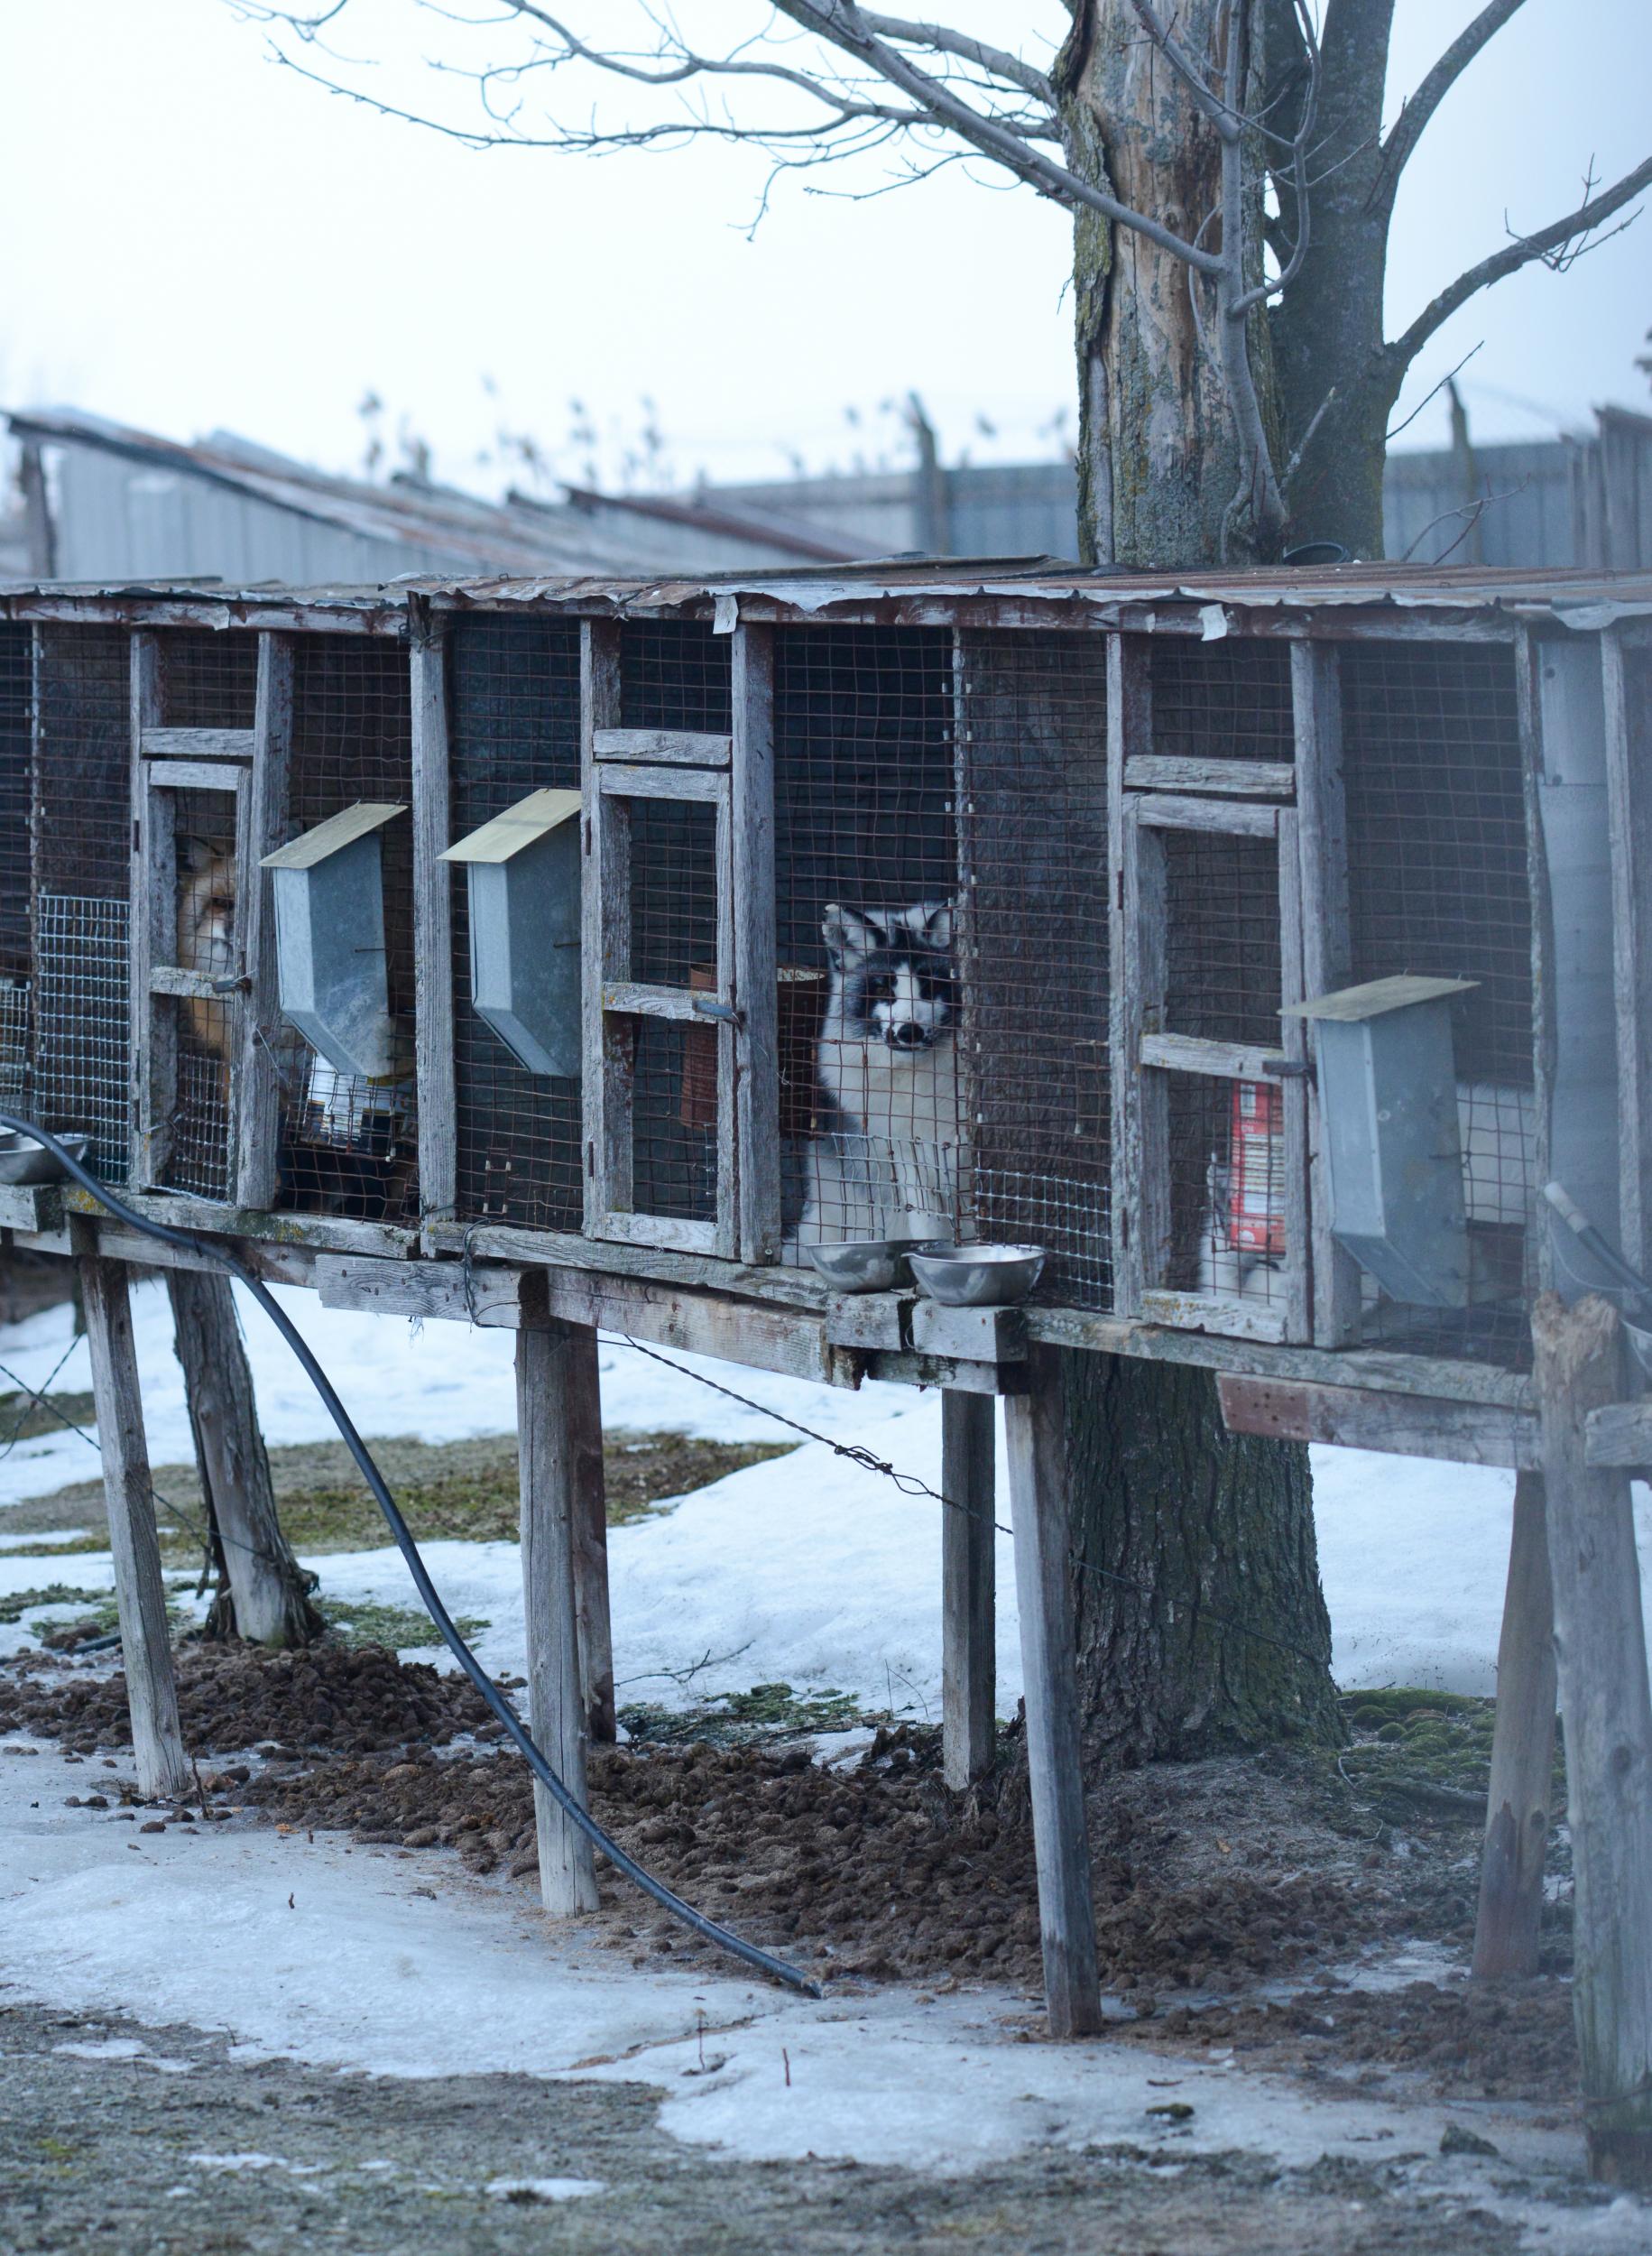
x=862, y=1264
x=22, y=1160
x=977, y=1276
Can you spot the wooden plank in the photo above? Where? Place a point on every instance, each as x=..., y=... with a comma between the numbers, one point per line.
x=433, y=1013
x=637, y=998
x=487, y=1294
x=1400, y=1425
x=1141, y=1149
x=1230, y=1061
x=1522, y=1753
x=1620, y=1434
x=698, y=784
x=969, y=1666
x=276, y=1264
x=1211, y=1312
x=867, y=1319
x=31, y=1207
x=755, y=1040
x=1165, y=811
x=725, y=1229
x=266, y=1584
x=261, y=819
x=1294, y=1275
x=605, y=945
x=151, y=1697
x=782, y=1285
x=1129, y=736
x=978, y=1335
x=152, y=1034
x=583, y=1409
x=676, y=747
x=1543, y=959
x=194, y=744
x=336, y=1232
x=169, y=979
x=556, y=1703
x=1628, y=790
x=669, y=1230
x=194, y=775
x=1321, y=853
x=1035, y=1429
x=1606, y=1710
x=1249, y=779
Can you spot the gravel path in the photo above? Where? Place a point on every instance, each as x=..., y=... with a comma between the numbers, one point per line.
x=116, y=2137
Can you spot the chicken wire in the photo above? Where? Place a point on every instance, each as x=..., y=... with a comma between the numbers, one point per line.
x=1032, y=947
x=349, y=1146
x=675, y=674
x=207, y=679
x=16, y=753
x=513, y=706
x=202, y=931
x=82, y=808
x=869, y=1012
x=1224, y=700
x=671, y=852
x=1439, y=885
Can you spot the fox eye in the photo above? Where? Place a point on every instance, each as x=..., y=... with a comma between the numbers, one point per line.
x=881, y=987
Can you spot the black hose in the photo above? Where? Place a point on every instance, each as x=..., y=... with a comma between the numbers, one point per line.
x=189, y=1242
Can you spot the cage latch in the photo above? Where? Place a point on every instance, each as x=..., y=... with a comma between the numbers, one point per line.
x=1286, y=1069
x=237, y=983
x=723, y=1011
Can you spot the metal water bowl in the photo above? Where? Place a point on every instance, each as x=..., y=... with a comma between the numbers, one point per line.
x=863, y=1264
x=977, y=1276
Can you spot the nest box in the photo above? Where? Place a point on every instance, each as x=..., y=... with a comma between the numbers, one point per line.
x=523, y=873
x=329, y=940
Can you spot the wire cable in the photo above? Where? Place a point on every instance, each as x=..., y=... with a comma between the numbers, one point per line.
x=187, y=1240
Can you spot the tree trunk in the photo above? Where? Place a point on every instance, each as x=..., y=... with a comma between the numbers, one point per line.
x=266, y=1598
x=1174, y=1520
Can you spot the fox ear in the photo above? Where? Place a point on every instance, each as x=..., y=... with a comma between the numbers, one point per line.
x=933, y=919
x=848, y=935
x=194, y=854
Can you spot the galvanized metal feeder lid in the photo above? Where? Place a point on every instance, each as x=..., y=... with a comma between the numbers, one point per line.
x=331, y=837
x=1376, y=996
x=523, y=825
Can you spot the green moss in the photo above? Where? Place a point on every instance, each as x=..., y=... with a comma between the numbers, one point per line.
x=768, y=1712
x=400, y=1629
x=56, y=1594
x=24, y=1417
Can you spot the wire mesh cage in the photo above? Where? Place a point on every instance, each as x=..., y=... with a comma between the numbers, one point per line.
x=81, y=878
x=865, y=880
x=1439, y=884
x=1229, y=699
x=513, y=723
x=349, y=1143
x=204, y=873
x=208, y=679
x=17, y=760
x=1033, y=946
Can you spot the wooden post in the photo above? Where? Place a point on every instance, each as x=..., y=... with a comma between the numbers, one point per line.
x=266, y=1582
x=1601, y=1651
x=1522, y=1752
x=1035, y=1425
x=152, y=1695
x=585, y=1429
x=546, y=1361
x=968, y=1656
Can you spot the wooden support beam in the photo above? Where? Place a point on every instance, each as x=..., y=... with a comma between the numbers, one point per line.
x=151, y=1695
x=1040, y=1510
x=1522, y=1752
x=590, y=1509
x=1400, y=1425
x=546, y=1418
x=969, y=1676
x=1601, y=1648
x=266, y=1582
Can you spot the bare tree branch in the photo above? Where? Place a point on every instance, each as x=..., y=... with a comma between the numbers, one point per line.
x=1413, y=118
x=1565, y=236
x=994, y=61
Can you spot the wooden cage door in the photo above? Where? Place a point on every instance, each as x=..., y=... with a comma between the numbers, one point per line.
x=681, y=1089
x=1210, y=1134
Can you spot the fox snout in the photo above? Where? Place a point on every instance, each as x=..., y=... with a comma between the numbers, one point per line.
x=910, y=1035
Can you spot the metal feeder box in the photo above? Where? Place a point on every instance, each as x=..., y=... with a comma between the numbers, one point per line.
x=523, y=873
x=329, y=940
x=1388, y=1098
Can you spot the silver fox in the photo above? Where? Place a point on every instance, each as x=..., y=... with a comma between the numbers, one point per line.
x=883, y=1163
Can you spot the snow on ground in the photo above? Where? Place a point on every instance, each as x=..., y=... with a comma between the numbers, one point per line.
x=397, y=1964
x=808, y=1569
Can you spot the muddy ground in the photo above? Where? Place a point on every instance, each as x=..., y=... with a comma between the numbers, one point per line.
x=1210, y=1878
x=106, y=2156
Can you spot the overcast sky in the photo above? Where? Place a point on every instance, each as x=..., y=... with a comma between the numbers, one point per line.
x=196, y=237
